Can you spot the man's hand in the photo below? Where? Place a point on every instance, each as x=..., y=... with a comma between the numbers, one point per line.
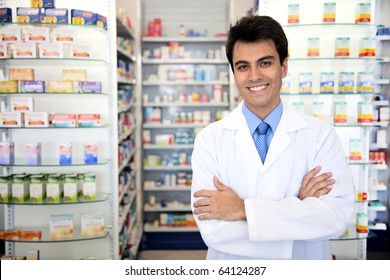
x=315, y=186
x=222, y=204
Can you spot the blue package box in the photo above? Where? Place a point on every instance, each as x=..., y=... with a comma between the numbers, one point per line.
x=82, y=17
x=5, y=15
x=55, y=16
x=28, y=15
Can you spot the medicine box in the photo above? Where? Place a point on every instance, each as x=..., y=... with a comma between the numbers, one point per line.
x=7, y=155
x=30, y=235
x=63, y=35
x=5, y=50
x=61, y=226
x=36, y=34
x=82, y=17
x=36, y=119
x=20, y=190
x=22, y=104
x=33, y=153
x=101, y=21
x=90, y=153
x=5, y=15
x=24, y=50
x=55, y=16
x=60, y=86
x=42, y=3
x=53, y=188
x=32, y=86
x=65, y=153
x=28, y=15
x=11, y=119
x=21, y=74
x=5, y=188
x=51, y=50
x=11, y=34
x=78, y=51
x=89, y=87
x=89, y=187
x=355, y=149
x=64, y=120
x=92, y=224
x=37, y=188
x=70, y=187
x=89, y=120
x=9, y=86
x=77, y=75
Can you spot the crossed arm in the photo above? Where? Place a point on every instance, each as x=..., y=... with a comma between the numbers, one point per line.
x=225, y=204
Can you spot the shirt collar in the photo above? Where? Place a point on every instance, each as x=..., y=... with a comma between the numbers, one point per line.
x=253, y=121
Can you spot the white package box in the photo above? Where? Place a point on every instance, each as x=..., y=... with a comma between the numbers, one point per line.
x=36, y=34
x=22, y=104
x=51, y=50
x=64, y=35
x=36, y=119
x=24, y=50
x=11, y=119
x=5, y=50
x=10, y=34
x=78, y=51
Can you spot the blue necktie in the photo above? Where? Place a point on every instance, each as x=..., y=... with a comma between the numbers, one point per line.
x=261, y=140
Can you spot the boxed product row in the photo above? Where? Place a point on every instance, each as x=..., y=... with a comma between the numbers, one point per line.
x=189, y=73
x=218, y=96
x=329, y=83
x=166, y=203
x=61, y=227
x=33, y=153
x=72, y=81
x=362, y=13
x=125, y=150
x=180, y=137
x=31, y=254
x=125, y=70
x=53, y=15
x=176, y=50
x=175, y=220
x=17, y=118
x=181, y=179
x=175, y=159
x=44, y=50
x=47, y=188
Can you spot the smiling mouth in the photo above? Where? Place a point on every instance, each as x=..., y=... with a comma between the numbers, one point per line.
x=257, y=88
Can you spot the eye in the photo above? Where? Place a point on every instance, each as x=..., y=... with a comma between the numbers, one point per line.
x=242, y=67
x=265, y=63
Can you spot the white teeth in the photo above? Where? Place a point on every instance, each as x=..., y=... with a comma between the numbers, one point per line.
x=258, y=88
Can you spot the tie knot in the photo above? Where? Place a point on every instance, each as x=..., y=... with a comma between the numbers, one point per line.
x=262, y=128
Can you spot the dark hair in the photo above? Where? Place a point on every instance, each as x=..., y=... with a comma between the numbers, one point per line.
x=252, y=29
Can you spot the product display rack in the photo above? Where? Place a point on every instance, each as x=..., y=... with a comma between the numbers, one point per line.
x=311, y=25
x=99, y=67
x=130, y=213
x=173, y=198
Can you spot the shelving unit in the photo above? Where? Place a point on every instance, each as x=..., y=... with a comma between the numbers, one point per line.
x=99, y=67
x=311, y=26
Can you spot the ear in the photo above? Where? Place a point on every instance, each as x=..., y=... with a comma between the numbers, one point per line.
x=285, y=67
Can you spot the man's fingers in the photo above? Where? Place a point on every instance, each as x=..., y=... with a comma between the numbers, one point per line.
x=322, y=191
x=310, y=175
x=203, y=193
x=322, y=187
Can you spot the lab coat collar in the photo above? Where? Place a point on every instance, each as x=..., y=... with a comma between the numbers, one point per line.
x=290, y=122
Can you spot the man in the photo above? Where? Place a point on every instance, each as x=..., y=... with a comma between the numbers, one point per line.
x=280, y=193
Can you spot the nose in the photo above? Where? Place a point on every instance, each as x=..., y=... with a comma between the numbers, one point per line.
x=254, y=74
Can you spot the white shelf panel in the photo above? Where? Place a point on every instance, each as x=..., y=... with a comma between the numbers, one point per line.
x=198, y=104
x=151, y=228
x=377, y=208
x=378, y=188
x=383, y=38
x=168, y=147
x=376, y=146
x=184, y=83
x=184, y=39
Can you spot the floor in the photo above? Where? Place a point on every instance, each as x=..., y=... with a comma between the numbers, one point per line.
x=201, y=255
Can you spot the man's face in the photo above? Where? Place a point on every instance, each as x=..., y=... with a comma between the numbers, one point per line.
x=258, y=75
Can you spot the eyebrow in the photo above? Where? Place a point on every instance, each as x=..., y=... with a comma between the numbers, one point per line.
x=267, y=57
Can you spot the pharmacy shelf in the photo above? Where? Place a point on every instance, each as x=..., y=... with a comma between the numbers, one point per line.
x=45, y=236
x=377, y=146
x=184, y=39
x=168, y=168
x=194, y=104
x=99, y=198
x=168, y=189
x=184, y=83
x=377, y=188
x=184, y=61
x=183, y=208
x=122, y=54
x=174, y=125
x=168, y=147
x=55, y=162
x=151, y=228
x=55, y=128
x=377, y=208
x=383, y=38
x=72, y=94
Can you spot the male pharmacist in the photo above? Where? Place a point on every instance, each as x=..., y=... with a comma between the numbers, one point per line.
x=268, y=183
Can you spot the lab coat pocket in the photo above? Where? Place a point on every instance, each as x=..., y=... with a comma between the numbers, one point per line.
x=293, y=189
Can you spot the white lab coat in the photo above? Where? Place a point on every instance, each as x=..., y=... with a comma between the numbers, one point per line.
x=279, y=225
